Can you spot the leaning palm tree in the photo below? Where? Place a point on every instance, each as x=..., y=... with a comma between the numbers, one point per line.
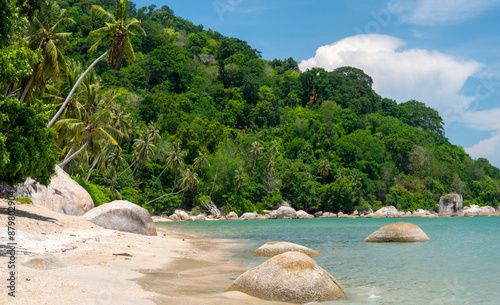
x=93, y=128
x=115, y=34
x=43, y=33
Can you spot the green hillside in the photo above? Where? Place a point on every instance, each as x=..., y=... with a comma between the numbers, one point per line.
x=200, y=116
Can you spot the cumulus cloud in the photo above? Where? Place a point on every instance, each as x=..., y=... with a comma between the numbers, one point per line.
x=403, y=74
x=436, y=12
x=487, y=148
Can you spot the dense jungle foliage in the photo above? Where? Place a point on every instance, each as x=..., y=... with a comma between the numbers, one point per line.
x=175, y=115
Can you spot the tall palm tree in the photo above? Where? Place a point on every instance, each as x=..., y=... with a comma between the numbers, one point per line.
x=175, y=159
x=240, y=179
x=255, y=151
x=93, y=128
x=115, y=34
x=201, y=160
x=43, y=33
x=324, y=168
x=143, y=149
x=188, y=180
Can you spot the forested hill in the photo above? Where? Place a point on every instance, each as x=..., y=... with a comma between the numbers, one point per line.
x=201, y=117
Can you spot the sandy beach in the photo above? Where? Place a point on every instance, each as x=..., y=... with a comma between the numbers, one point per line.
x=109, y=267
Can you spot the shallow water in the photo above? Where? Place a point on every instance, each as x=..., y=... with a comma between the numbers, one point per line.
x=459, y=265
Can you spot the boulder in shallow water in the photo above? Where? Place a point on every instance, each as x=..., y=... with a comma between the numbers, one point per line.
x=123, y=216
x=63, y=194
x=289, y=277
x=328, y=215
x=43, y=261
x=450, y=203
x=274, y=248
x=402, y=232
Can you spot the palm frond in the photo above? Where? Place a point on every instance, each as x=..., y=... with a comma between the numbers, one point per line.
x=103, y=14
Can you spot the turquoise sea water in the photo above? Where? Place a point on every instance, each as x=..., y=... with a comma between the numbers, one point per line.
x=459, y=265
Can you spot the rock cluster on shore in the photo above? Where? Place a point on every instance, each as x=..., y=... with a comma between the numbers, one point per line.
x=449, y=205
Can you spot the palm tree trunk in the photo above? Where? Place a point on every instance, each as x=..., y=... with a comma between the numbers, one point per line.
x=165, y=195
x=157, y=179
x=127, y=168
x=215, y=178
x=74, y=88
x=92, y=168
x=26, y=89
x=69, y=152
x=66, y=161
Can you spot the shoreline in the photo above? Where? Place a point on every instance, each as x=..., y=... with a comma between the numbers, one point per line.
x=101, y=266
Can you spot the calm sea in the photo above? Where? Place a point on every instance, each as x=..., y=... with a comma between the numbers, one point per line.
x=460, y=265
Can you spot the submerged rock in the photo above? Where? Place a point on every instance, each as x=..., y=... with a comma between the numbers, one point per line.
x=450, y=203
x=63, y=194
x=289, y=277
x=123, y=216
x=398, y=232
x=43, y=261
x=274, y=248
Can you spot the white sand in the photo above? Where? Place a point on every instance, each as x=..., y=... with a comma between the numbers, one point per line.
x=175, y=268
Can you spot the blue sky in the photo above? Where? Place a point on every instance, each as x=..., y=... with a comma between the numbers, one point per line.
x=445, y=53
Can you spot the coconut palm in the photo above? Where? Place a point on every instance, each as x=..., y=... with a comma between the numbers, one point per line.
x=255, y=151
x=324, y=168
x=201, y=160
x=115, y=34
x=43, y=33
x=143, y=149
x=93, y=128
x=240, y=179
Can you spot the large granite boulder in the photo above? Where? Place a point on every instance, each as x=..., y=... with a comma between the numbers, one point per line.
x=274, y=248
x=402, y=232
x=301, y=214
x=286, y=213
x=248, y=216
x=123, y=216
x=182, y=215
x=289, y=277
x=387, y=211
x=63, y=194
x=450, y=203
x=475, y=210
x=328, y=215
x=232, y=216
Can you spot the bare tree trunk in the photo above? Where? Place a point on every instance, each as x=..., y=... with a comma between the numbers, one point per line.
x=87, y=177
x=53, y=120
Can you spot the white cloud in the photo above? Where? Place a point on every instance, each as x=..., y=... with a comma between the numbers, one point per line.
x=403, y=74
x=434, y=12
x=487, y=148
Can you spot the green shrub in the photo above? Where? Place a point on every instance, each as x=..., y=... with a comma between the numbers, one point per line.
x=24, y=200
x=98, y=194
